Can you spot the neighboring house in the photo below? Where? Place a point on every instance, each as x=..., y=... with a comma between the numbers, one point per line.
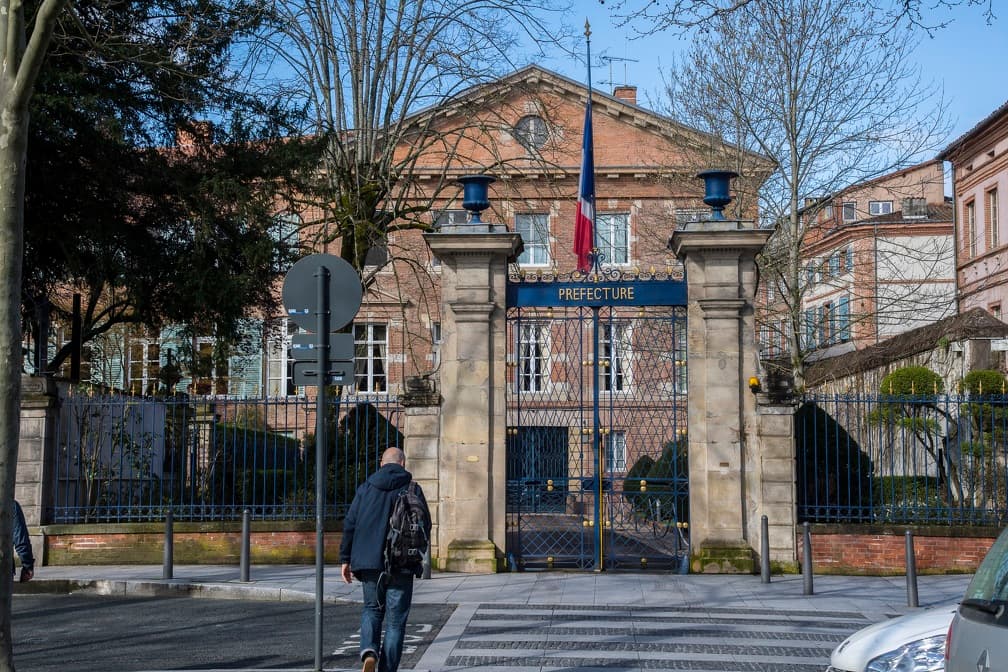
x=526, y=130
x=979, y=183
x=951, y=347
x=877, y=260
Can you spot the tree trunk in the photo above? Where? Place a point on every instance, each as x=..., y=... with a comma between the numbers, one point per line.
x=13, y=142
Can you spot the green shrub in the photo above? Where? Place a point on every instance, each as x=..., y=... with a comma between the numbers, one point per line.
x=983, y=381
x=666, y=494
x=912, y=381
x=908, y=499
x=834, y=474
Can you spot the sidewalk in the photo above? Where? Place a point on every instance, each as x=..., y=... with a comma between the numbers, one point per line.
x=554, y=596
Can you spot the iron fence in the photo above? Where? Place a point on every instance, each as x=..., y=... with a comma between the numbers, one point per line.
x=932, y=459
x=128, y=459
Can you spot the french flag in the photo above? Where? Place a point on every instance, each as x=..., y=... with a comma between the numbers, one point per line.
x=584, y=221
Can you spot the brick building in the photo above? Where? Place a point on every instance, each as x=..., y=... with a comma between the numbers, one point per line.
x=979, y=178
x=524, y=129
x=876, y=261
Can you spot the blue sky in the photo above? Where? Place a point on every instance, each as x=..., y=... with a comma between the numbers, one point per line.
x=968, y=59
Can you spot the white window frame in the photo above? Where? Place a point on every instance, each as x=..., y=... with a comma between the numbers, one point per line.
x=849, y=211
x=149, y=366
x=279, y=363
x=616, y=377
x=615, y=452
x=371, y=360
x=532, y=373
x=610, y=226
x=876, y=208
x=537, y=240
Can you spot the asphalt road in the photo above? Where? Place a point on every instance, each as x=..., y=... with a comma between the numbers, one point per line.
x=67, y=633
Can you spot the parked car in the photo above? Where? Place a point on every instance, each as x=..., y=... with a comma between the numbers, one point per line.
x=978, y=636
x=911, y=643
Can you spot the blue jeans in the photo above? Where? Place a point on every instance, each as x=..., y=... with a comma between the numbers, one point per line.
x=386, y=600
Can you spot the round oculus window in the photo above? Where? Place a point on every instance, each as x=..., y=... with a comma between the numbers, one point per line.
x=531, y=131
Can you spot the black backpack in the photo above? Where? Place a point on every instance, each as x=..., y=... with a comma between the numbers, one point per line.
x=407, y=541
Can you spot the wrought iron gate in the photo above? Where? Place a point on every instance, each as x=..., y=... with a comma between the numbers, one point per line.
x=596, y=403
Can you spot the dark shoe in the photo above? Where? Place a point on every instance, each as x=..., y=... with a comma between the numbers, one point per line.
x=26, y=575
x=369, y=664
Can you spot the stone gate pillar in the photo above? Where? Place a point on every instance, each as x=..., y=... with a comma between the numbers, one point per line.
x=720, y=260
x=472, y=467
x=37, y=451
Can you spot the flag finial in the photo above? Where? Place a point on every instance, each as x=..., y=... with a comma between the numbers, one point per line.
x=587, y=32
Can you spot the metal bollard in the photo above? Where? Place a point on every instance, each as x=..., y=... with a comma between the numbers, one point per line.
x=167, y=569
x=764, y=550
x=425, y=565
x=245, y=543
x=911, y=571
x=807, y=561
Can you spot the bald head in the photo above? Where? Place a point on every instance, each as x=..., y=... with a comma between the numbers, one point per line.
x=393, y=456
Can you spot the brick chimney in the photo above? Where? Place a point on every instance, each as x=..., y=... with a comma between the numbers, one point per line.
x=626, y=93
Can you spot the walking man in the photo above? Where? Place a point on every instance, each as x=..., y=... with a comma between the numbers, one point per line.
x=22, y=544
x=388, y=594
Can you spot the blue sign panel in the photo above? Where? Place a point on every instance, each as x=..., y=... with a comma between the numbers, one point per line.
x=630, y=293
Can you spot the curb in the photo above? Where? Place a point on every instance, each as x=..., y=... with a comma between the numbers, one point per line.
x=220, y=591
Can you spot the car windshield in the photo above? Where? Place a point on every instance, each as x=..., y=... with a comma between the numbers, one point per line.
x=991, y=580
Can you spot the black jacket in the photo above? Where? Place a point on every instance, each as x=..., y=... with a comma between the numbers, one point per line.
x=366, y=524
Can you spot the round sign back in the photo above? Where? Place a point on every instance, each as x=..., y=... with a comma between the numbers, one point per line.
x=300, y=292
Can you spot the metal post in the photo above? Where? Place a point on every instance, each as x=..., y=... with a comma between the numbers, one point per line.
x=911, y=571
x=425, y=565
x=807, y=561
x=322, y=364
x=764, y=549
x=597, y=446
x=245, y=544
x=167, y=569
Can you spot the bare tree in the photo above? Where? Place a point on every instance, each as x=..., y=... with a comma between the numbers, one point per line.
x=24, y=48
x=379, y=78
x=803, y=83
x=647, y=16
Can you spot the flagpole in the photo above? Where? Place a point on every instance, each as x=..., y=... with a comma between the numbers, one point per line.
x=595, y=250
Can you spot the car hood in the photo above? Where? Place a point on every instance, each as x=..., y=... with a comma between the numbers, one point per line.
x=854, y=652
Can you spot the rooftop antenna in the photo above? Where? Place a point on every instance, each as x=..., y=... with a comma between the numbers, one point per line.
x=622, y=59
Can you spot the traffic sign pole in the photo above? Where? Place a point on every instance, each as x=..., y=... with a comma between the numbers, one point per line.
x=322, y=312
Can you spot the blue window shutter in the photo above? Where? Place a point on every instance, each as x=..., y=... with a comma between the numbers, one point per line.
x=844, y=313
x=850, y=258
x=245, y=366
x=810, y=339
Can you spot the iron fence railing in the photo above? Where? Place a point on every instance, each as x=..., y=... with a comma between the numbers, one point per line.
x=129, y=459
x=932, y=459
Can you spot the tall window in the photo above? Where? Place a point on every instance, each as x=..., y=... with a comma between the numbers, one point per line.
x=992, y=217
x=849, y=211
x=879, y=208
x=144, y=366
x=615, y=451
x=615, y=345
x=970, y=220
x=681, y=371
x=371, y=357
x=533, y=357
x=534, y=230
x=613, y=237
x=279, y=364
x=211, y=374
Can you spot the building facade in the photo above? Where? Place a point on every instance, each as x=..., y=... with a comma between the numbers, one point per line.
x=877, y=260
x=980, y=181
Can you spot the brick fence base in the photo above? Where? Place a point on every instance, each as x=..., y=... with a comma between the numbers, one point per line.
x=881, y=550
x=193, y=543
